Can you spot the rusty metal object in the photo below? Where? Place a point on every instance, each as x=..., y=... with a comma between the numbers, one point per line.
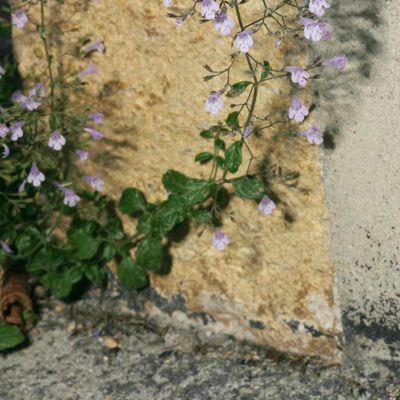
x=15, y=298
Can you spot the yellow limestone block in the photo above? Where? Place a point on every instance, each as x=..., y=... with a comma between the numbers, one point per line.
x=275, y=283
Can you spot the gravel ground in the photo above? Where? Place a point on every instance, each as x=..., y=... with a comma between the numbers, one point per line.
x=98, y=349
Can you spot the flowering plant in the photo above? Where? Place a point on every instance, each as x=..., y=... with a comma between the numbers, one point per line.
x=55, y=224
x=62, y=233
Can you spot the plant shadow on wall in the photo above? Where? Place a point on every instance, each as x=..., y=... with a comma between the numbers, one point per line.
x=356, y=23
x=64, y=232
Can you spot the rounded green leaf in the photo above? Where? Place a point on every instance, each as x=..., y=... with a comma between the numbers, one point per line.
x=206, y=134
x=149, y=254
x=233, y=157
x=132, y=201
x=233, y=119
x=202, y=216
x=96, y=274
x=248, y=187
x=204, y=158
x=131, y=275
x=10, y=336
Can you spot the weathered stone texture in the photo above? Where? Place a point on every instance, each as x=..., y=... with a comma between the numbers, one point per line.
x=274, y=285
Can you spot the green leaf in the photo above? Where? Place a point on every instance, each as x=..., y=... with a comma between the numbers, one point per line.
x=46, y=259
x=206, y=134
x=144, y=225
x=27, y=240
x=61, y=284
x=131, y=275
x=167, y=215
x=238, y=88
x=202, y=216
x=10, y=336
x=108, y=252
x=204, y=158
x=248, y=187
x=220, y=162
x=102, y=202
x=233, y=156
x=115, y=229
x=192, y=191
x=82, y=246
x=233, y=119
x=96, y=275
x=219, y=144
x=132, y=201
x=266, y=70
x=88, y=226
x=149, y=254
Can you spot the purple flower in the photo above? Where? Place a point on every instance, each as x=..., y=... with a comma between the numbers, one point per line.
x=71, y=199
x=95, y=182
x=96, y=135
x=297, y=111
x=96, y=46
x=2, y=71
x=209, y=9
x=247, y=132
x=21, y=187
x=6, y=248
x=266, y=205
x=3, y=131
x=36, y=177
x=179, y=21
x=19, y=19
x=82, y=154
x=223, y=23
x=167, y=3
x=313, y=135
x=30, y=103
x=38, y=90
x=244, y=41
x=213, y=103
x=317, y=7
x=56, y=141
x=338, y=62
x=220, y=240
x=18, y=97
x=316, y=30
x=16, y=130
x=97, y=118
x=91, y=69
x=6, y=151
x=299, y=75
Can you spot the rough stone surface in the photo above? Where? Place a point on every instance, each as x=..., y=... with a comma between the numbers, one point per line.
x=274, y=284
x=69, y=360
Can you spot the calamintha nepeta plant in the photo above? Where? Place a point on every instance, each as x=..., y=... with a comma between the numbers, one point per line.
x=56, y=230
x=281, y=20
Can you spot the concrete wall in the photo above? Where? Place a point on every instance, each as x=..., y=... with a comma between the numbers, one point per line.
x=362, y=112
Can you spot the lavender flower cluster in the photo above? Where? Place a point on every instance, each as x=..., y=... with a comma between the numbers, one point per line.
x=13, y=131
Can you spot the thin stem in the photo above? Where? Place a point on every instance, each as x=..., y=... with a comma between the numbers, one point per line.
x=42, y=30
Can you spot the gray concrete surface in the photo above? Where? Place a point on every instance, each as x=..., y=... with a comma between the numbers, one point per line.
x=70, y=363
x=362, y=111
